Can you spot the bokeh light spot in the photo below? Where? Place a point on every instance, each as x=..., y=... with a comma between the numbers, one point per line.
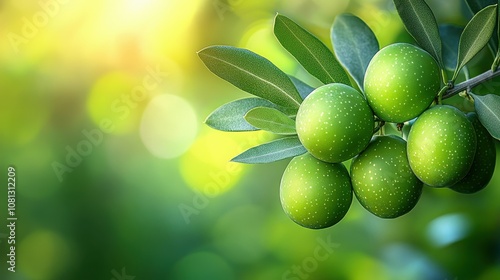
x=169, y=126
x=448, y=229
x=260, y=39
x=118, y=98
x=206, y=166
x=43, y=255
x=23, y=113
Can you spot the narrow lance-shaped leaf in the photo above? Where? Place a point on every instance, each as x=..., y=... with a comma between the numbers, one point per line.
x=475, y=36
x=309, y=51
x=477, y=5
x=488, y=111
x=303, y=88
x=251, y=73
x=230, y=116
x=273, y=151
x=451, y=36
x=272, y=120
x=355, y=45
x=420, y=22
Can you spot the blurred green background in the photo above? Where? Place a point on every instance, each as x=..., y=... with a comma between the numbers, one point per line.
x=118, y=178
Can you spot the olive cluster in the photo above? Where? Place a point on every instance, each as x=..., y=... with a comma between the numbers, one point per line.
x=336, y=123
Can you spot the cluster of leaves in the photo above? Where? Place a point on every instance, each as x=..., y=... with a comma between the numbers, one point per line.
x=278, y=95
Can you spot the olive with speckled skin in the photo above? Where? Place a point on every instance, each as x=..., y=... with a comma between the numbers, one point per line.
x=315, y=194
x=335, y=123
x=441, y=146
x=382, y=179
x=483, y=166
x=400, y=82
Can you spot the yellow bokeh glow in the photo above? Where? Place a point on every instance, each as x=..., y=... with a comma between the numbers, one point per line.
x=42, y=255
x=206, y=166
x=168, y=126
x=116, y=101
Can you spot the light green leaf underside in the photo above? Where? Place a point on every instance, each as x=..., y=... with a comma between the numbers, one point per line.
x=488, y=111
x=230, y=116
x=270, y=119
x=273, y=151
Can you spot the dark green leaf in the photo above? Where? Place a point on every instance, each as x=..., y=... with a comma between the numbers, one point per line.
x=272, y=151
x=355, y=45
x=420, y=22
x=303, y=88
x=488, y=111
x=272, y=120
x=451, y=36
x=475, y=36
x=251, y=73
x=477, y=5
x=309, y=51
x=230, y=116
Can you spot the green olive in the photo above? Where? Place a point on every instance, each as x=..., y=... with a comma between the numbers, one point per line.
x=315, y=194
x=400, y=82
x=382, y=179
x=441, y=146
x=334, y=123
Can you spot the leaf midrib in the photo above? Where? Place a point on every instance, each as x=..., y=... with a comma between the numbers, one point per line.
x=488, y=109
x=256, y=76
x=469, y=49
x=308, y=50
x=273, y=122
x=427, y=35
x=272, y=153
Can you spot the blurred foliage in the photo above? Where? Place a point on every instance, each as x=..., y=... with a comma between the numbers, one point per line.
x=115, y=180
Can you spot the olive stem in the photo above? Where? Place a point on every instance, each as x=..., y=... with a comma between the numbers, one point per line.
x=379, y=126
x=467, y=85
x=441, y=92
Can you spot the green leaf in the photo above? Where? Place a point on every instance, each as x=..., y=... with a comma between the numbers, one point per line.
x=272, y=120
x=309, y=51
x=303, y=88
x=251, y=73
x=476, y=6
x=272, y=151
x=488, y=111
x=451, y=36
x=420, y=22
x=475, y=36
x=230, y=116
x=355, y=44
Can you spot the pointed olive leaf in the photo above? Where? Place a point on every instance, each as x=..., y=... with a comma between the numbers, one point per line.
x=477, y=5
x=451, y=36
x=488, y=111
x=251, y=73
x=273, y=151
x=270, y=119
x=303, y=88
x=475, y=36
x=309, y=51
x=355, y=44
x=420, y=22
x=231, y=116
